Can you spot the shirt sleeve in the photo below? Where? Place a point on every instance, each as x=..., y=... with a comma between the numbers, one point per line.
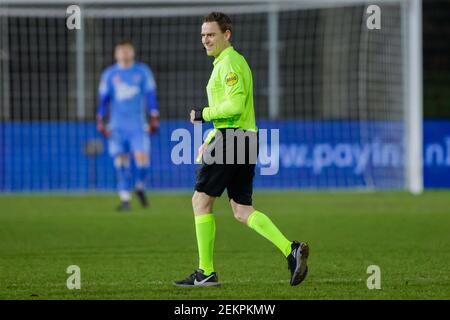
x=233, y=103
x=149, y=84
x=104, y=93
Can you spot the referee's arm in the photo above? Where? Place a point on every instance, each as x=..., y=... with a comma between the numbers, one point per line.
x=233, y=103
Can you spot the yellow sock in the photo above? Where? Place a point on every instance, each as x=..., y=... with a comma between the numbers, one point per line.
x=262, y=224
x=205, y=229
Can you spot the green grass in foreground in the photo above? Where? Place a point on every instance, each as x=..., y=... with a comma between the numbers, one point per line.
x=137, y=255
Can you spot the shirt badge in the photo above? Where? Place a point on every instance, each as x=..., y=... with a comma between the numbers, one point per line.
x=231, y=79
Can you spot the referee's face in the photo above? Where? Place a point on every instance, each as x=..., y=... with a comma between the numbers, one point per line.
x=213, y=39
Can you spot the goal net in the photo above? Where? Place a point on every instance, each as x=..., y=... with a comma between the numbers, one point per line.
x=344, y=95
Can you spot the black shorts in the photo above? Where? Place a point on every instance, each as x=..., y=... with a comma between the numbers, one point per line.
x=235, y=172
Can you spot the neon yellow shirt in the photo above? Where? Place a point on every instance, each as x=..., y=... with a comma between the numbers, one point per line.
x=230, y=93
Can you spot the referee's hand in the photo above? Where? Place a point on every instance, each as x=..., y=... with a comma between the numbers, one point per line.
x=196, y=116
x=192, y=116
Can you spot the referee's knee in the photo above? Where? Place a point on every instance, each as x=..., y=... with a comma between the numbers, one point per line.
x=240, y=216
x=201, y=203
x=241, y=212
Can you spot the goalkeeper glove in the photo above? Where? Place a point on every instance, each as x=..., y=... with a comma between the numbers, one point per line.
x=154, y=123
x=102, y=128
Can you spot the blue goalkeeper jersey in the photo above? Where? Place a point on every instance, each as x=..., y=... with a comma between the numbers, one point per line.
x=125, y=95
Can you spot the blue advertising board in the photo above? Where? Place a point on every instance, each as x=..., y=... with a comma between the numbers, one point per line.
x=71, y=156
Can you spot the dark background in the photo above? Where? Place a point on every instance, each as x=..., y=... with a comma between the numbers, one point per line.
x=41, y=59
x=436, y=58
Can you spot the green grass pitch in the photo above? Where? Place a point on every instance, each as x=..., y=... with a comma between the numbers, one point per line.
x=137, y=255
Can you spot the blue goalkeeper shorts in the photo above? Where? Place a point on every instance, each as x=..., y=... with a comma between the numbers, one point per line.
x=122, y=142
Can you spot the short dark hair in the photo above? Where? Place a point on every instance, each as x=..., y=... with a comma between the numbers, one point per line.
x=222, y=20
x=125, y=42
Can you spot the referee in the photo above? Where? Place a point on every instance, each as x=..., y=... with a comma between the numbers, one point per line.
x=230, y=100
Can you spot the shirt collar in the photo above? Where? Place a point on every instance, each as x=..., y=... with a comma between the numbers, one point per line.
x=224, y=53
x=126, y=68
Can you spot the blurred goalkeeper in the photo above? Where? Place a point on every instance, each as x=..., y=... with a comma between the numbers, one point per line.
x=230, y=99
x=127, y=101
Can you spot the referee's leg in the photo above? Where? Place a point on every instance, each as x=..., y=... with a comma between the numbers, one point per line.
x=262, y=224
x=202, y=203
x=205, y=229
x=295, y=252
